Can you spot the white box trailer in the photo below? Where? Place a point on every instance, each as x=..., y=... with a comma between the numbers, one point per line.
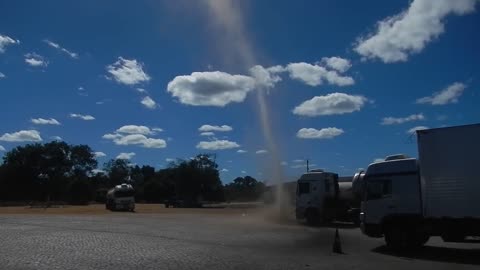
x=449, y=175
x=408, y=200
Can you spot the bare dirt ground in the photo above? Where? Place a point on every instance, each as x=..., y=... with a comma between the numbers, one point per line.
x=155, y=237
x=99, y=209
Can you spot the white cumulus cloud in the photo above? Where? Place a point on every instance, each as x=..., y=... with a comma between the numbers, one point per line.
x=136, y=139
x=2, y=75
x=266, y=77
x=337, y=63
x=6, y=41
x=224, y=170
x=60, y=48
x=42, y=121
x=335, y=103
x=125, y=155
x=217, y=145
x=128, y=72
x=401, y=120
x=100, y=154
x=408, y=32
x=2, y=149
x=35, y=60
x=148, y=102
x=451, y=94
x=261, y=151
x=56, y=138
x=212, y=88
x=134, y=129
x=241, y=151
x=315, y=75
x=22, y=136
x=324, y=133
x=82, y=116
x=207, y=128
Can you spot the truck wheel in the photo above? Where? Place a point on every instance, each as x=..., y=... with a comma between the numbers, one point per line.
x=453, y=237
x=401, y=238
x=396, y=238
x=419, y=240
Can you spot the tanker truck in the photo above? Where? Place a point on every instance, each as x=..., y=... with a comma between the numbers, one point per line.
x=121, y=197
x=321, y=198
x=407, y=200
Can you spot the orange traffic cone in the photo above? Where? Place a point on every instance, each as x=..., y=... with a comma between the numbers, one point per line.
x=337, y=246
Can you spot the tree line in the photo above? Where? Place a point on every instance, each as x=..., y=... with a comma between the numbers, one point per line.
x=61, y=172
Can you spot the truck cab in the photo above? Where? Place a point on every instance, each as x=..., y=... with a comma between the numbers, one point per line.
x=121, y=197
x=315, y=196
x=391, y=197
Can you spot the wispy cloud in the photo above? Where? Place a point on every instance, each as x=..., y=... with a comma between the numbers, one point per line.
x=42, y=121
x=6, y=41
x=401, y=120
x=35, y=60
x=82, y=116
x=60, y=48
x=414, y=129
x=451, y=94
x=210, y=128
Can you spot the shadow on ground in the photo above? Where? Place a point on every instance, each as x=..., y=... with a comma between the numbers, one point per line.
x=439, y=254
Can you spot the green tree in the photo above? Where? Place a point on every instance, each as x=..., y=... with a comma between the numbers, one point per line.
x=118, y=171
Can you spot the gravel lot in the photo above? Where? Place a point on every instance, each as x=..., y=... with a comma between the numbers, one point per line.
x=200, y=239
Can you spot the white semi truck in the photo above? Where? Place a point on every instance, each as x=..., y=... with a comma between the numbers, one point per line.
x=406, y=200
x=121, y=197
x=321, y=198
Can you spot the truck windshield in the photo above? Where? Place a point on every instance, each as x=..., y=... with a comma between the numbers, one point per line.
x=377, y=189
x=124, y=193
x=303, y=188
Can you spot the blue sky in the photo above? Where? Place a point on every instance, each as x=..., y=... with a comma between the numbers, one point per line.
x=343, y=82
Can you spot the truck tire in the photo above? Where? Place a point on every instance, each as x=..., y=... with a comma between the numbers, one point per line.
x=401, y=238
x=453, y=237
x=396, y=237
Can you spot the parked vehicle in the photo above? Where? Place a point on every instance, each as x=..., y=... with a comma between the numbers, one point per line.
x=121, y=197
x=408, y=200
x=321, y=198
